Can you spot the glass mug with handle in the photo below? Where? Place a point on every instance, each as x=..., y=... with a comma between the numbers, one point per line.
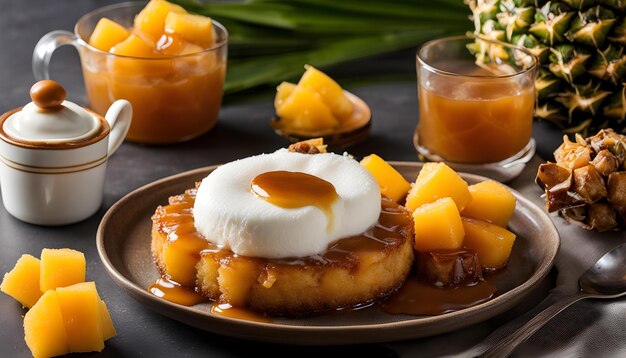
x=175, y=98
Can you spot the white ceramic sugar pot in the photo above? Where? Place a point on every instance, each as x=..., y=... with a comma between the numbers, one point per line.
x=53, y=156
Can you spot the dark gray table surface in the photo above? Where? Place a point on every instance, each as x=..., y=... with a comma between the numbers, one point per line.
x=242, y=130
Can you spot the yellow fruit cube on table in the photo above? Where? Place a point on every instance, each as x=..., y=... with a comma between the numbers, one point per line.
x=435, y=181
x=192, y=28
x=283, y=91
x=392, y=184
x=151, y=20
x=108, y=330
x=107, y=34
x=80, y=307
x=438, y=226
x=304, y=110
x=332, y=94
x=44, y=327
x=492, y=243
x=22, y=282
x=60, y=268
x=491, y=202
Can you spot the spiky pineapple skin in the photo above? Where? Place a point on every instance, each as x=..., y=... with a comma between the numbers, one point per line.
x=580, y=45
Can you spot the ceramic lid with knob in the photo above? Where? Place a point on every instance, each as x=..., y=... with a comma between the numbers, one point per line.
x=49, y=118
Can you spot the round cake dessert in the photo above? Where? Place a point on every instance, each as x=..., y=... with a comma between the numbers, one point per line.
x=285, y=233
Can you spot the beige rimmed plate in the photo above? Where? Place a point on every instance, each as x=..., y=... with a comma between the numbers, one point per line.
x=123, y=241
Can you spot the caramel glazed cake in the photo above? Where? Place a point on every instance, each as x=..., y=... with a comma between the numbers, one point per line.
x=290, y=233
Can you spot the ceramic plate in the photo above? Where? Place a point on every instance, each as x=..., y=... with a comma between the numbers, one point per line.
x=123, y=240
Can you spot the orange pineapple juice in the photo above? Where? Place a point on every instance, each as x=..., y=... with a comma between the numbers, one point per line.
x=475, y=120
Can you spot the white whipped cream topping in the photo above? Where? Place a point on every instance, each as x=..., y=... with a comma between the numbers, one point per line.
x=229, y=215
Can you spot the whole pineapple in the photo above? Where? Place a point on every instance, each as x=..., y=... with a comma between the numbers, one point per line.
x=581, y=84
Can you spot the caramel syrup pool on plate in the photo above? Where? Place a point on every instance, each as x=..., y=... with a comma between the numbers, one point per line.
x=291, y=190
x=187, y=247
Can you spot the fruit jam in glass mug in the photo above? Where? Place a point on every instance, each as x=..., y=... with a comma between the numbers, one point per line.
x=174, y=98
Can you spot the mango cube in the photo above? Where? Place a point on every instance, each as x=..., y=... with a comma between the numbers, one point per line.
x=304, y=110
x=107, y=34
x=22, y=282
x=392, y=184
x=438, y=226
x=151, y=20
x=80, y=307
x=283, y=91
x=44, y=327
x=437, y=180
x=192, y=28
x=492, y=243
x=332, y=94
x=491, y=202
x=60, y=268
x=108, y=330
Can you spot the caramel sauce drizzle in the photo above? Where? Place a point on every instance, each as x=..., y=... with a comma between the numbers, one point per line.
x=226, y=310
x=175, y=292
x=419, y=298
x=291, y=190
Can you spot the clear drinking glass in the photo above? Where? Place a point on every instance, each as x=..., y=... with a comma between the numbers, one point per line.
x=476, y=99
x=174, y=98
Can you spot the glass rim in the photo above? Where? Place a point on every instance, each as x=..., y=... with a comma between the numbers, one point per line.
x=130, y=4
x=436, y=70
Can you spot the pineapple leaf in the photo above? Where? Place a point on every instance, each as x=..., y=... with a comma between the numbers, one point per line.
x=591, y=27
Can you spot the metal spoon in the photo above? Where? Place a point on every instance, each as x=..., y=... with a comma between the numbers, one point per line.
x=605, y=279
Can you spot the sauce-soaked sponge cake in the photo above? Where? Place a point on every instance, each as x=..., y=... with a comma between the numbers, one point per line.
x=351, y=271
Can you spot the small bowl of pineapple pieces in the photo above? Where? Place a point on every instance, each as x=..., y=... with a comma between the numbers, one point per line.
x=316, y=107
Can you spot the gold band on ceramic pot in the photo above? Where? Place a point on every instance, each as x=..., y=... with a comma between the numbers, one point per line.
x=99, y=163
x=5, y=159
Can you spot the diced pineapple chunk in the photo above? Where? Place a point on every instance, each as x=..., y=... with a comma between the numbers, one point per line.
x=44, y=327
x=134, y=46
x=189, y=49
x=151, y=20
x=196, y=29
x=60, y=268
x=107, y=34
x=304, y=110
x=392, y=184
x=169, y=45
x=492, y=243
x=143, y=62
x=108, y=330
x=437, y=180
x=332, y=94
x=283, y=91
x=491, y=202
x=438, y=226
x=80, y=307
x=22, y=282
